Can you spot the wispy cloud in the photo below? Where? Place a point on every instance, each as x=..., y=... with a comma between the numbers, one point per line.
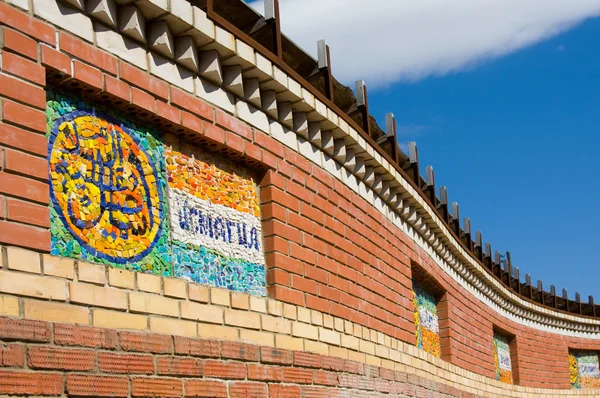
x=386, y=41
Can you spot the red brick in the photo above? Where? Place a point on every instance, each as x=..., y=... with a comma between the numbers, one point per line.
x=205, y=388
x=12, y=355
x=145, y=342
x=24, y=116
x=18, y=138
x=176, y=366
x=117, y=88
x=247, y=390
x=286, y=295
x=24, y=236
x=81, y=385
x=337, y=364
x=155, y=387
x=214, y=133
x=2, y=205
x=21, y=44
x=196, y=347
x=303, y=284
x=125, y=363
x=265, y=373
x=143, y=100
x=315, y=392
x=168, y=112
x=316, y=303
x=270, y=144
x=60, y=358
x=191, y=122
x=269, y=159
x=279, y=391
x=22, y=67
x=277, y=276
x=26, y=24
x=87, y=74
x=20, y=383
x=234, y=141
x=24, y=330
x=23, y=163
x=224, y=370
x=88, y=53
x=23, y=92
x=56, y=60
x=231, y=123
x=192, y=104
x=325, y=378
x=307, y=359
x=297, y=375
x=276, y=355
x=28, y=213
x=252, y=151
x=235, y=350
x=85, y=336
x=143, y=80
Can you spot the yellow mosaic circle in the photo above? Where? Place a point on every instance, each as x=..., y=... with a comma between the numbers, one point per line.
x=104, y=188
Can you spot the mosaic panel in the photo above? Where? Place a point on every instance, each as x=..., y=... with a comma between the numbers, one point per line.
x=107, y=188
x=426, y=321
x=502, y=359
x=584, y=369
x=215, y=222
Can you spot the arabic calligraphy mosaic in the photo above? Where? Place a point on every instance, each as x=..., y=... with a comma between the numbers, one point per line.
x=119, y=196
x=584, y=369
x=426, y=321
x=502, y=359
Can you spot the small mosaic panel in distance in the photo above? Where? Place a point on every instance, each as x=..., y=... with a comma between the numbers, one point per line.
x=584, y=369
x=502, y=360
x=107, y=188
x=426, y=321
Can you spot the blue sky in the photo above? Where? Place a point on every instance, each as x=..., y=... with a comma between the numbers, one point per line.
x=516, y=142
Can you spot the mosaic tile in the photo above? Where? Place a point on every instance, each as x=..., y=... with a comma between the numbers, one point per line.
x=426, y=321
x=215, y=223
x=584, y=369
x=502, y=360
x=107, y=188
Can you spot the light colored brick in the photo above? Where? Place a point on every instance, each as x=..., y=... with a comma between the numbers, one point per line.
x=58, y=266
x=153, y=304
x=348, y=327
x=220, y=297
x=373, y=360
x=289, y=343
x=339, y=325
x=316, y=318
x=276, y=324
x=261, y=338
x=315, y=346
x=201, y=312
x=275, y=307
x=56, y=312
x=61, y=15
x=173, y=326
x=198, y=293
x=338, y=352
x=175, y=287
x=300, y=329
x=328, y=321
x=217, y=332
x=258, y=304
x=23, y=260
x=329, y=336
x=119, y=320
x=9, y=306
x=303, y=314
x=33, y=285
x=244, y=319
x=289, y=311
x=382, y=351
x=356, y=356
x=367, y=347
x=98, y=296
x=121, y=278
x=148, y=283
x=350, y=342
x=240, y=301
x=93, y=273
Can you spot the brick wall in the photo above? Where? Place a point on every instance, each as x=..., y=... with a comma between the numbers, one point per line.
x=334, y=261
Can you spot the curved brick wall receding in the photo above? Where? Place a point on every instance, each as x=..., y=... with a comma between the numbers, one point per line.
x=341, y=252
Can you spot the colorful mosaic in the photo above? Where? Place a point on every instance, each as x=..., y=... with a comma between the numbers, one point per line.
x=107, y=188
x=584, y=369
x=215, y=223
x=502, y=358
x=426, y=321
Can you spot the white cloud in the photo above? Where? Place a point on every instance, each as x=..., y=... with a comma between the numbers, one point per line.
x=385, y=41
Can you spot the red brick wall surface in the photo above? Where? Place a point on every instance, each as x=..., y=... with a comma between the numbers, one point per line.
x=326, y=249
